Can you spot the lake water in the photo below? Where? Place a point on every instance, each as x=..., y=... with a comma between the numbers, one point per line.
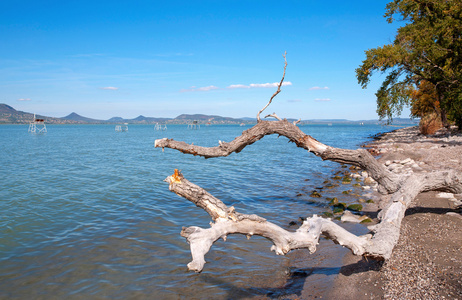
x=85, y=214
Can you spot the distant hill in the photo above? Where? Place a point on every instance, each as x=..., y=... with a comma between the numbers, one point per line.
x=8, y=115
x=78, y=118
x=207, y=119
x=147, y=120
x=396, y=121
x=7, y=109
x=116, y=119
x=197, y=117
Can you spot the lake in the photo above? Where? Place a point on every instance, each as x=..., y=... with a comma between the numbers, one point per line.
x=85, y=213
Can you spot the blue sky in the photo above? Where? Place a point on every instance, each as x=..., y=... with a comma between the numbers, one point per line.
x=103, y=58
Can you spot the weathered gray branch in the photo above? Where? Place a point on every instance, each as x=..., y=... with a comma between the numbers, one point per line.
x=227, y=221
x=378, y=244
x=386, y=233
x=389, y=181
x=277, y=91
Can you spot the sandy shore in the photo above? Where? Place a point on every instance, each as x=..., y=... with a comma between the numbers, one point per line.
x=427, y=262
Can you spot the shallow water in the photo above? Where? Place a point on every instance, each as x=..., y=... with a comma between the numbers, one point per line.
x=85, y=213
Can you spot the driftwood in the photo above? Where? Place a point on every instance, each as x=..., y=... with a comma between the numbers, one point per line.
x=379, y=243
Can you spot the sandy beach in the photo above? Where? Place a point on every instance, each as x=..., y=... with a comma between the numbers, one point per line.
x=427, y=262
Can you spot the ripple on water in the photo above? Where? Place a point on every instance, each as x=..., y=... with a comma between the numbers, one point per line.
x=86, y=214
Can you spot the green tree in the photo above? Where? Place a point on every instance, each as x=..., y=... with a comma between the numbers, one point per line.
x=427, y=48
x=424, y=100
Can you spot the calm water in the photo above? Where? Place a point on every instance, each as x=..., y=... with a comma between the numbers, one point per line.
x=85, y=214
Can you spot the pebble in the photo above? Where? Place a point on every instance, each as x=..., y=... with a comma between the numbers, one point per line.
x=369, y=181
x=352, y=218
x=405, y=161
x=445, y=195
x=454, y=214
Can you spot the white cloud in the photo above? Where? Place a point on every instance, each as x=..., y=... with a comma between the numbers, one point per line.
x=24, y=99
x=323, y=99
x=238, y=86
x=269, y=85
x=235, y=86
x=316, y=88
x=207, y=88
x=201, y=89
x=258, y=85
x=112, y=88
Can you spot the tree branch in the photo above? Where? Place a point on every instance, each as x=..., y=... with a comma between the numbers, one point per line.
x=389, y=182
x=278, y=90
x=273, y=115
x=227, y=221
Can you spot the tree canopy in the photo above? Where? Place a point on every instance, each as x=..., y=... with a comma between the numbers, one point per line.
x=428, y=48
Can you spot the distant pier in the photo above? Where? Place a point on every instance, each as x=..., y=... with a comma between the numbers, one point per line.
x=37, y=126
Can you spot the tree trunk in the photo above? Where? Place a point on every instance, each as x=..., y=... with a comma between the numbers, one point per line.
x=378, y=244
x=443, y=110
x=444, y=118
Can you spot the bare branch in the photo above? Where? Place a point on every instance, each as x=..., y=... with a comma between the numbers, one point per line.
x=274, y=116
x=380, y=244
x=228, y=221
x=389, y=181
x=278, y=90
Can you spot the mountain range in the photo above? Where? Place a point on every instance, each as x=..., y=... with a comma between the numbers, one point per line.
x=9, y=115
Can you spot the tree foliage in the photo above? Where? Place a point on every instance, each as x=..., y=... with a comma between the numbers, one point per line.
x=427, y=48
x=424, y=100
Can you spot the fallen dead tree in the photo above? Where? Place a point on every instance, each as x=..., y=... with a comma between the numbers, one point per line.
x=379, y=243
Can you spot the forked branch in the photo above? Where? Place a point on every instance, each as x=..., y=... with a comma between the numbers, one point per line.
x=388, y=181
x=277, y=91
x=379, y=244
x=227, y=221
